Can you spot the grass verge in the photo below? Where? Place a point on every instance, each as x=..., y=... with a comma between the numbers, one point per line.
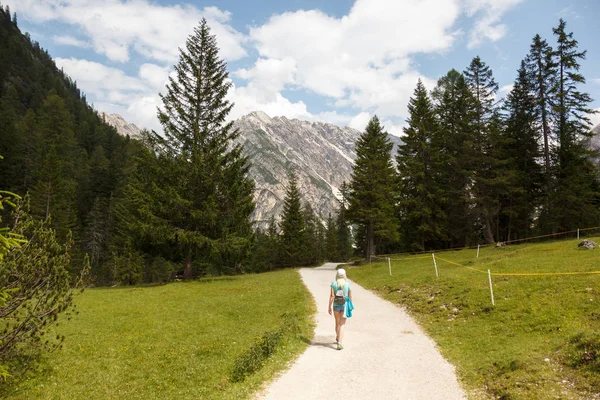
x=184, y=340
x=540, y=341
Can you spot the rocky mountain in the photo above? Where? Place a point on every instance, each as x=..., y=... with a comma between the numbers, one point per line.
x=123, y=127
x=595, y=139
x=321, y=154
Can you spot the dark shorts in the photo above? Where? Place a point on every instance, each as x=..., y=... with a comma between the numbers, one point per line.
x=338, y=308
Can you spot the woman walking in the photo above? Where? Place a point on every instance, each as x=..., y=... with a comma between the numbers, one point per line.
x=340, y=292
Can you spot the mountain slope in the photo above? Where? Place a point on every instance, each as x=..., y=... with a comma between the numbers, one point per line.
x=321, y=154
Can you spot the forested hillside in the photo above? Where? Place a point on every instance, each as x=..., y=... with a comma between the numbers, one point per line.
x=56, y=147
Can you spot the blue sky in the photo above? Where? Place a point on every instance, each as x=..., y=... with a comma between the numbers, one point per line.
x=339, y=61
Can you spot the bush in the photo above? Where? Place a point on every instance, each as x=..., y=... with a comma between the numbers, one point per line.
x=254, y=358
x=37, y=288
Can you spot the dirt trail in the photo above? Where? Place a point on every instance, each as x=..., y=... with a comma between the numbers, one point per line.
x=385, y=356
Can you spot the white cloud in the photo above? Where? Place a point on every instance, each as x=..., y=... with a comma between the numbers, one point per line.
x=70, y=41
x=134, y=98
x=115, y=27
x=98, y=79
x=360, y=121
x=488, y=14
x=595, y=118
x=249, y=98
x=154, y=75
x=360, y=63
x=361, y=60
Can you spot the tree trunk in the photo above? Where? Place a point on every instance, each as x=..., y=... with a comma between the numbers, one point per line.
x=187, y=271
x=487, y=230
x=370, y=241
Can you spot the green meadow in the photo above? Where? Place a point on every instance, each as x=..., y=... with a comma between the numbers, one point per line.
x=209, y=339
x=541, y=340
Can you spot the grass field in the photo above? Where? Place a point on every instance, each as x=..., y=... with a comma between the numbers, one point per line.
x=178, y=341
x=540, y=341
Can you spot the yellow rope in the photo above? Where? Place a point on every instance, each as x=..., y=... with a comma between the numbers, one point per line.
x=522, y=274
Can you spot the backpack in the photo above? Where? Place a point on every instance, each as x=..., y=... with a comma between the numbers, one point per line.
x=339, y=298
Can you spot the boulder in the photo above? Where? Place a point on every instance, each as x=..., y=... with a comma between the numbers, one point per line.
x=587, y=244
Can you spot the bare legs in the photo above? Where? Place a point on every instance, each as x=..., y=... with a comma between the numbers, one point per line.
x=340, y=322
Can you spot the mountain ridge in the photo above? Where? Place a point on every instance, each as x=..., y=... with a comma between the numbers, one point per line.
x=321, y=154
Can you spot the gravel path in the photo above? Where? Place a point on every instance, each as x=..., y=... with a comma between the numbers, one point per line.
x=385, y=356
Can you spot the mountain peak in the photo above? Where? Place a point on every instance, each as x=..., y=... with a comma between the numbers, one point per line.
x=260, y=116
x=123, y=127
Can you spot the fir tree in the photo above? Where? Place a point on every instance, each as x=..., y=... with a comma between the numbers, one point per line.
x=208, y=192
x=483, y=165
x=542, y=69
x=372, y=188
x=344, y=234
x=522, y=150
x=454, y=107
x=331, y=240
x=576, y=175
x=417, y=160
x=292, y=226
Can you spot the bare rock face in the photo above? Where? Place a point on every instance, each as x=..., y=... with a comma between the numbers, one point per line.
x=321, y=154
x=123, y=127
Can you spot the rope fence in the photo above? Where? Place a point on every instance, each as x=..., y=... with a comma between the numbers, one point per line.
x=577, y=231
x=488, y=272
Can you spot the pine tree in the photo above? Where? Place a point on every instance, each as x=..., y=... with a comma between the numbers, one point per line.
x=292, y=226
x=454, y=107
x=207, y=200
x=483, y=166
x=576, y=175
x=331, y=240
x=522, y=150
x=373, y=188
x=314, y=246
x=542, y=68
x=418, y=167
x=344, y=234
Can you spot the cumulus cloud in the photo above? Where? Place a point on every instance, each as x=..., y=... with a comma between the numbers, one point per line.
x=361, y=60
x=595, y=118
x=134, y=98
x=70, y=41
x=116, y=27
x=360, y=64
x=488, y=14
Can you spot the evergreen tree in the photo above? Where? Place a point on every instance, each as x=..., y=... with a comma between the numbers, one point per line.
x=417, y=161
x=576, y=175
x=522, y=151
x=293, y=226
x=331, y=240
x=314, y=246
x=207, y=193
x=454, y=107
x=483, y=166
x=372, y=188
x=542, y=68
x=344, y=234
